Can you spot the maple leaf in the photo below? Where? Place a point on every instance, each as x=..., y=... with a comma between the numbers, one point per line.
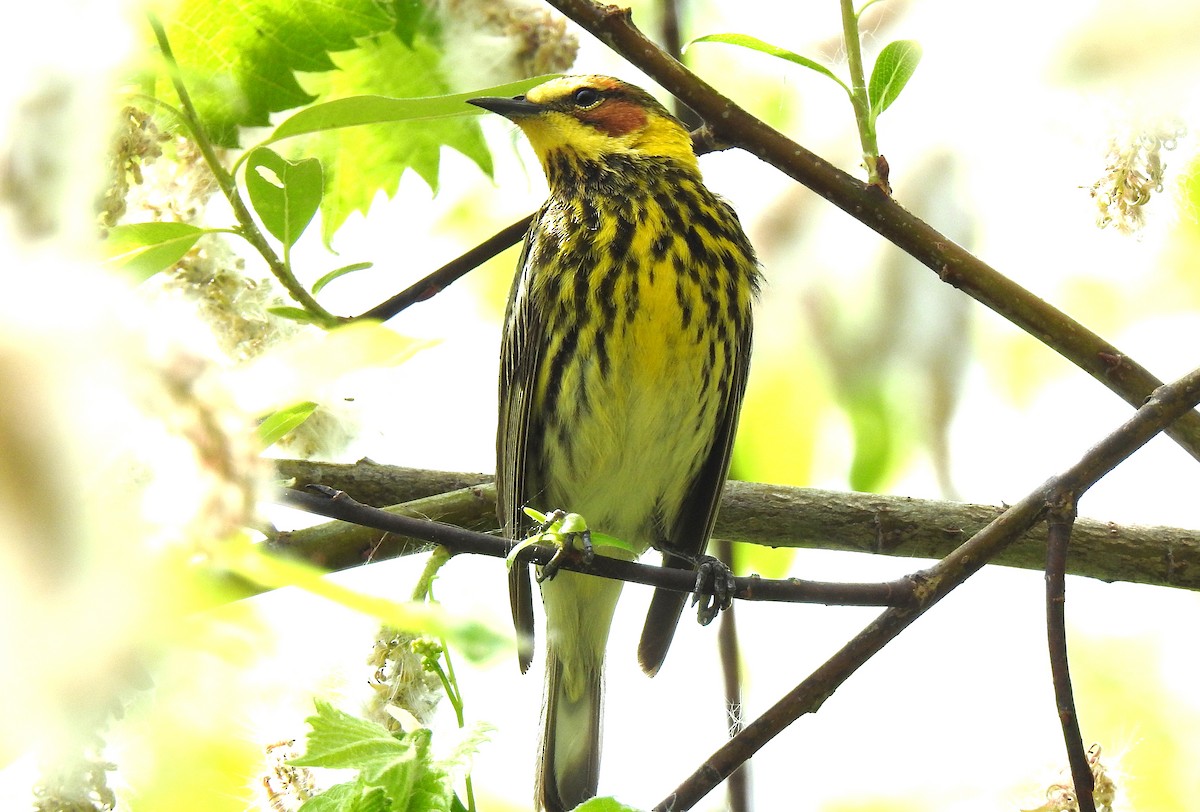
x=361, y=161
x=239, y=57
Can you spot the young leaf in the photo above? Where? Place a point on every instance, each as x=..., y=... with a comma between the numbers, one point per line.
x=283, y=422
x=295, y=314
x=285, y=194
x=144, y=249
x=893, y=68
x=756, y=44
x=320, y=284
x=354, y=111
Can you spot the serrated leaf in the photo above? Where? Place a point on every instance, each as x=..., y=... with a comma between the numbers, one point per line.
x=320, y=284
x=360, y=162
x=339, y=740
x=355, y=111
x=893, y=68
x=285, y=194
x=350, y=796
x=284, y=422
x=144, y=249
x=756, y=44
x=238, y=57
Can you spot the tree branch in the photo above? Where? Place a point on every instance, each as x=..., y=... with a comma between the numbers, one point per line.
x=868, y=204
x=452, y=271
x=325, y=501
x=1060, y=520
x=1167, y=403
x=757, y=513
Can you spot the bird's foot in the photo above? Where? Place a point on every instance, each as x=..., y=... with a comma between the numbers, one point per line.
x=564, y=530
x=714, y=588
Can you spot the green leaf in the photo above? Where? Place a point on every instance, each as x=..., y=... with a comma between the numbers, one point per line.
x=320, y=284
x=360, y=162
x=355, y=111
x=295, y=314
x=351, y=796
x=756, y=44
x=893, y=68
x=283, y=422
x=144, y=249
x=238, y=57
x=400, y=766
x=412, y=17
x=285, y=194
x=339, y=740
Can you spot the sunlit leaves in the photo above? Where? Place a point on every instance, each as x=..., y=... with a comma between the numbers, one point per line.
x=239, y=57
x=285, y=194
x=144, y=249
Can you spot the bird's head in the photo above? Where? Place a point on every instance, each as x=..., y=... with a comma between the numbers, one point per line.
x=594, y=117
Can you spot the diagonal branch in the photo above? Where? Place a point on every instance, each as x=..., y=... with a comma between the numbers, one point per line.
x=954, y=264
x=1167, y=404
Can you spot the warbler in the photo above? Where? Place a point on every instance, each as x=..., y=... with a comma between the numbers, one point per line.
x=625, y=351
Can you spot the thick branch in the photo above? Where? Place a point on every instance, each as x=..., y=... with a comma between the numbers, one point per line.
x=774, y=515
x=868, y=204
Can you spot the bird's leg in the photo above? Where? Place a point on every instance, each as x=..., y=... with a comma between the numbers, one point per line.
x=714, y=586
x=565, y=528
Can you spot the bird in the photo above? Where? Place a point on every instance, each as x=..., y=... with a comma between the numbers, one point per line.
x=624, y=357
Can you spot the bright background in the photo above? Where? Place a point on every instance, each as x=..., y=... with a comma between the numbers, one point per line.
x=996, y=142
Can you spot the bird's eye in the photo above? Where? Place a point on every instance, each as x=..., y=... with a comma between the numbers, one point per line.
x=586, y=98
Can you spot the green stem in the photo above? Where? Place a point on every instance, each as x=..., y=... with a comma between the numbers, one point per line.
x=247, y=228
x=858, y=93
x=424, y=591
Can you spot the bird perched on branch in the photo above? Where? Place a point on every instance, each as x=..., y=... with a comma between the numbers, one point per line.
x=625, y=352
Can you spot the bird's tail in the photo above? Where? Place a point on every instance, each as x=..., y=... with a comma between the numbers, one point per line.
x=569, y=762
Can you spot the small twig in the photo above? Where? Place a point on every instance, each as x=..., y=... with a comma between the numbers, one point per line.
x=731, y=673
x=248, y=228
x=452, y=271
x=335, y=504
x=954, y=264
x=1060, y=518
x=672, y=40
x=858, y=95
x=1165, y=405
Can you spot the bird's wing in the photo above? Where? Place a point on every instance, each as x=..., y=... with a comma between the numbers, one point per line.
x=519, y=355
x=697, y=516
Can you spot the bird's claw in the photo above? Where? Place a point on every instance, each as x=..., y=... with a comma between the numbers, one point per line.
x=566, y=548
x=714, y=588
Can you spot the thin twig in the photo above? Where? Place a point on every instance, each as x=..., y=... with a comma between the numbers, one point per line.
x=248, y=228
x=452, y=271
x=1167, y=404
x=335, y=504
x=731, y=674
x=1060, y=518
x=955, y=265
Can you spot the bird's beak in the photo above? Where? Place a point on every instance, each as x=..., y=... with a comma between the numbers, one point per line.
x=514, y=108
